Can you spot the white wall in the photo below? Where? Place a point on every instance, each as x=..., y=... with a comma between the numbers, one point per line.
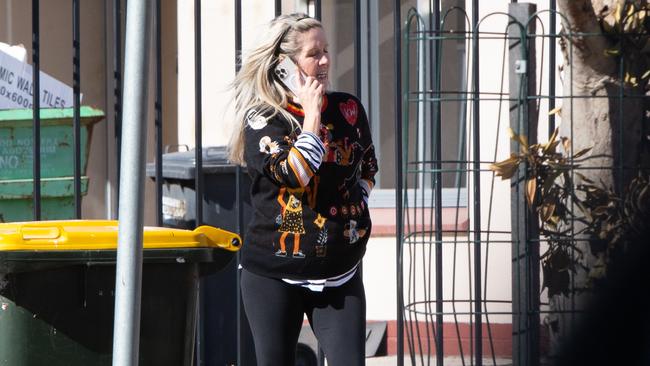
x=218, y=69
x=218, y=62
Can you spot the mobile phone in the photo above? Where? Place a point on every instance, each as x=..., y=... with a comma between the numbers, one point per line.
x=289, y=74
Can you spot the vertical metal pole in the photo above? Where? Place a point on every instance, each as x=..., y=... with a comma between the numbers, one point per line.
x=318, y=15
x=278, y=7
x=357, y=68
x=117, y=82
x=241, y=349
x=36, y=109
x=397, y=37
x=551, y=64
x=438, y=181
x=357, y=48
x=242, y=332
x=158, y=120
x=525, y=229
x=238, y=31
x=478, y=324
x=198, y=116
x=373, y=75
x=76, y=85
x=128, y=279
x=198, y=165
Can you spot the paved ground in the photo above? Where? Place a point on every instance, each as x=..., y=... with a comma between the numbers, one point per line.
x=449, y=361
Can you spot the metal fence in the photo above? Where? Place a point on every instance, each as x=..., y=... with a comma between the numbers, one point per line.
x=117, y=50
x=547, y=223
x=436, y=311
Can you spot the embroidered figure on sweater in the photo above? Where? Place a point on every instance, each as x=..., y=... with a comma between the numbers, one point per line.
x=342, y=152
x=320, y=247
x=326, y=133
x=255, y=120
x=349, y=110
x=355, y=175
x=338, y=152
x=268, y=147
x=283, y=166
x=354, y=233
x=291, y=221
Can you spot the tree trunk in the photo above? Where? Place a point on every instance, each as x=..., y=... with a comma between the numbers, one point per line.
x=597, y=116
x=602, y=109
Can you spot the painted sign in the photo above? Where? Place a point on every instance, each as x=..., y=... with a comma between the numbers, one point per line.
x=17, y=89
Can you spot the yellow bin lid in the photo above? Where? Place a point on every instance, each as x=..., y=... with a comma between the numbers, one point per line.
x=102, y=234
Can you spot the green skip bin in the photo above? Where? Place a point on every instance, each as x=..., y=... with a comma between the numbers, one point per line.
x=57, y=162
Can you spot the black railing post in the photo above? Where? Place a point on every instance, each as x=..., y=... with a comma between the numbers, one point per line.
x=478, y=320
x=117, y=92
x=198, y=118
x=397, y=34
x=437, y=115
x=198, y=168
x=243, y=333
x=76, y=85
x=357, y=48
x=278, y=7
x=318, y=10
x=551, y=65
x=525, y=229
x=158, y=115
x=36, y=109
x=318, y=14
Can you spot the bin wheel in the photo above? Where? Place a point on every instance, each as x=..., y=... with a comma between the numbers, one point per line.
x=305, y=356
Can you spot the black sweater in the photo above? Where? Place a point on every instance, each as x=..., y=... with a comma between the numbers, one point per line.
x=310, y=210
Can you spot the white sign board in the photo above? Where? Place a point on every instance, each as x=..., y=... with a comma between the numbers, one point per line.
x=16, y=88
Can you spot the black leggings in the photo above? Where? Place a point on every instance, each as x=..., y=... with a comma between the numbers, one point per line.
x=275, y=311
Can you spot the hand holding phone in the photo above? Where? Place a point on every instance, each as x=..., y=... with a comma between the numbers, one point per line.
x=289, y=74
x=294, y=79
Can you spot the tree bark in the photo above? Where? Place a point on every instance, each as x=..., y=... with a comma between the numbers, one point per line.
x=600, y=110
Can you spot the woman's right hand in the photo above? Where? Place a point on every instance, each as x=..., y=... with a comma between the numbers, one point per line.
x=311, y=98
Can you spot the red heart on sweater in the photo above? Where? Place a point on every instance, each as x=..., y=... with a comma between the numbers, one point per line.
x=349, y=111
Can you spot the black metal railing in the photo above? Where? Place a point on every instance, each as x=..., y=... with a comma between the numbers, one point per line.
x=434, y=96
x=36, y=104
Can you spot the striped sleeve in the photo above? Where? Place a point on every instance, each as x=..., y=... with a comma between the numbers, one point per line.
x=305, y=157
x=311, y=148
x=288, y=161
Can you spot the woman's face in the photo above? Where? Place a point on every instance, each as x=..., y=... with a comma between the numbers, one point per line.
x=313, y=57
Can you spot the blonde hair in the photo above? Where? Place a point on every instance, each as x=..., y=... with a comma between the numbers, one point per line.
x=256, y=85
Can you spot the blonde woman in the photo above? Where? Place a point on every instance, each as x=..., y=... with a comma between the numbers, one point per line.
x=311, y=161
